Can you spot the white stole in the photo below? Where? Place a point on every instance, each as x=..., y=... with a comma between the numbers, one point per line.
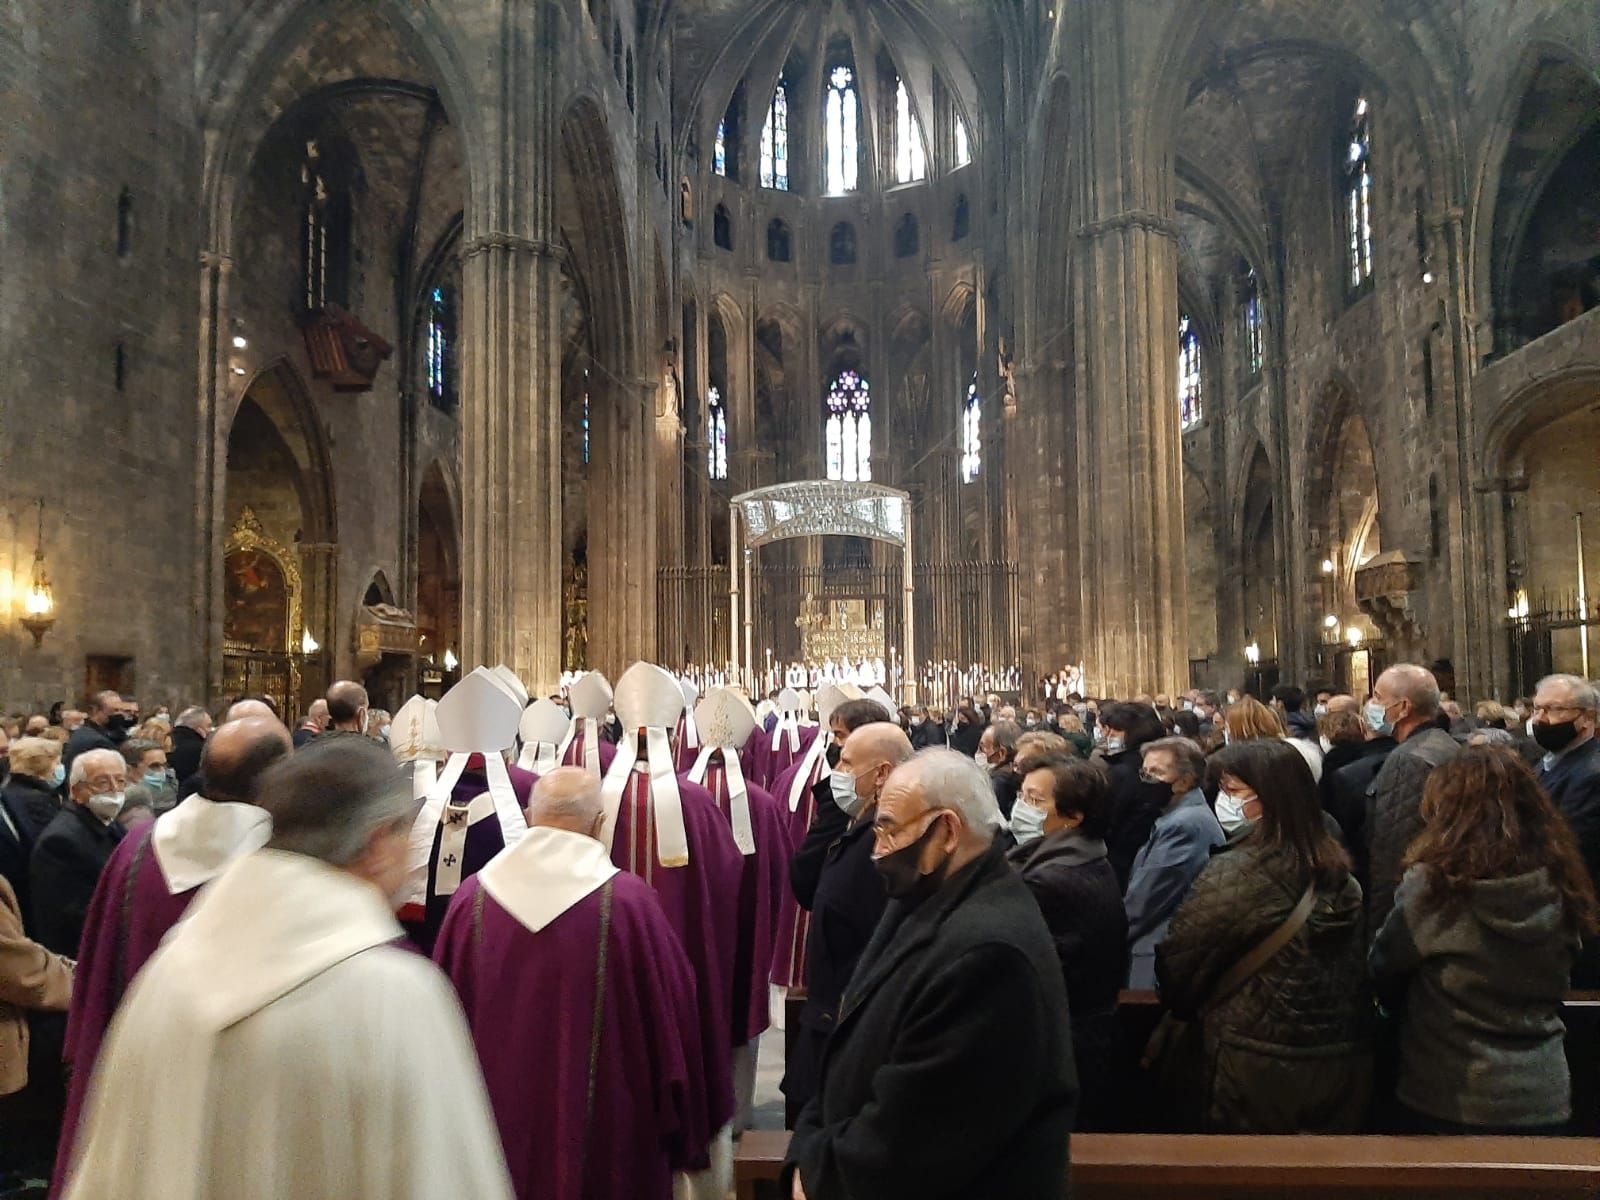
x=541, y=757
x=501, y=797
x=802, y=779
x=738, y=793
x=672, y=839
x=788, y=727
x=589, y=729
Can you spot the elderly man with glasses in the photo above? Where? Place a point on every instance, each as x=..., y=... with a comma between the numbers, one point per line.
x=1566, y=711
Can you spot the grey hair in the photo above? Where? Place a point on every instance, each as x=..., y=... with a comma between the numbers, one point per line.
x=81, y=764
x=193, y=717
x=1417, y=685
x=1186, y=756
x=330, y=798
x=952, y=780
x=1005, y=734
x=566, y=795
x=1584, y=694
x=1492, y=737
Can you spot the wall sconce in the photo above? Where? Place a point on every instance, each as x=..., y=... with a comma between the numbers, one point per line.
x=308, y=644
x=1252, y=653
x=39, y=606
x=1330, y=622
x=450, y=660
x=1355, y=636
x=1327, y=566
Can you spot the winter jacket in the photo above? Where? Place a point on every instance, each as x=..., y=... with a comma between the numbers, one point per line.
x=1394, y=813
x=1179, y=848
x=1290, y=1051
x=1480, y=983
x=1573, y=781
x=1135, y=805
x=31, y=980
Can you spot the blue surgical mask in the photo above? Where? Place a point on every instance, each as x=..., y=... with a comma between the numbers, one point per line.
x=1027, y=823
x=155, y=779
x=1377, y=718
x=58, y=775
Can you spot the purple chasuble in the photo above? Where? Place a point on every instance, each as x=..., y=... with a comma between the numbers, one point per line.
x=701, y=903
x=530, y=1002
x=484, y=841
x=130, y=913
x=604, y=751
x=773, y=756
x=763, y=889
x=794, y=923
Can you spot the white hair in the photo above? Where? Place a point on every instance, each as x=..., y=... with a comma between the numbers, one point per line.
x=193, y=717
x=566, y=795
x=955, y=781
x=81, y=764
x=1583, y=693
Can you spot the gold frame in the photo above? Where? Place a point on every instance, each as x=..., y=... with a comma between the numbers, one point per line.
x=248, y=534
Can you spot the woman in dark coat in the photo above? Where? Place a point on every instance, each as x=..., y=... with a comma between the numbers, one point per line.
x=1060, y=822
x=1290, y=1049
x=1135, y=804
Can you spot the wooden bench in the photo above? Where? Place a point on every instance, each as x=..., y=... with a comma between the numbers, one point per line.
x=1124, y=1166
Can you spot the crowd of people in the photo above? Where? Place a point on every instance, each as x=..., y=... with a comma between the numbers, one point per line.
x=1358, y=914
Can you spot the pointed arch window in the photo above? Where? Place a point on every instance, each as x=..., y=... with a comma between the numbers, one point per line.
x=1358, y=194
x=1254, y=346
x=716, y=435
x=971, y=432
x=843, y=129
x=719, y=151
x=775, y=141
x=963, y=150
x=583, y=421
x=442, y=348
x=324, y=232
x=910, y=156
x=1189, y=397
x=848, y=429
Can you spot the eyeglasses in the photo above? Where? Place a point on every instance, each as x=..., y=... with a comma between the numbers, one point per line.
x=1550, y=710
x=887, y=833
x=1037, y=799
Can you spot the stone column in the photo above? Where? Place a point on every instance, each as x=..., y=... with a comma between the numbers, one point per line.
x=511, y=608
x=216, y=277
x=1055, y=525
x=1125, y=296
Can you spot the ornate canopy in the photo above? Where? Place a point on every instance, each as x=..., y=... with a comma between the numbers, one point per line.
x=823, y=506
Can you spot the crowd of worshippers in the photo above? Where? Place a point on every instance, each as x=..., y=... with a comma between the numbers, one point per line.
x=1358, y=914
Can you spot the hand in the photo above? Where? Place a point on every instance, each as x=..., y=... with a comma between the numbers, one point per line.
x=799, y=1192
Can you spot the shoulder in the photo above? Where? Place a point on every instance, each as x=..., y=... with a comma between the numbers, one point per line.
x=1001, y=912
x=391, y=974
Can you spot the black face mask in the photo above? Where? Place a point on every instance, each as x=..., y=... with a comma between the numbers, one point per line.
x=1557, y=737
x=832, y=754
x=901, y=874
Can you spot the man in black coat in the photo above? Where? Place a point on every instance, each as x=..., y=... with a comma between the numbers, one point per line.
x=923, y=1094
x=74, y=849
x=189, y=743
x=96, y=732
x=833, y=879
x=1566, y=712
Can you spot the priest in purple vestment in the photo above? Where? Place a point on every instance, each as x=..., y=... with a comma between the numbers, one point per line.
x=669, y=833
x=582, y=1005
x=149, y=883
x=590, y=697
x=726, y=722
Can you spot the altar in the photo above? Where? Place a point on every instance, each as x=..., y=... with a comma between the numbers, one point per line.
x=840, y=631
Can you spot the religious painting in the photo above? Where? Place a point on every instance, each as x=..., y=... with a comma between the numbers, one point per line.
x=256, y=599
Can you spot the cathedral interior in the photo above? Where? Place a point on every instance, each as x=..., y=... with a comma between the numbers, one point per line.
x=1209, y=341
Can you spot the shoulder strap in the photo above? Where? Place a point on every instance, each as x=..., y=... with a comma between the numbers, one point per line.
x=597, y=1028
x=1239, y=974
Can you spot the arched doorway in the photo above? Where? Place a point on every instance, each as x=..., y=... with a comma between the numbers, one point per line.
x=438, y=585
x=1258, y=560
x=1346, y=517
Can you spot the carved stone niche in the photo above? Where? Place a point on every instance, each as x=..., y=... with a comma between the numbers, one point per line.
x=1386, y=586
x=383, y=629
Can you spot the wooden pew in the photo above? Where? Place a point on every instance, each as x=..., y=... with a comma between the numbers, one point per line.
x=1120, y=1166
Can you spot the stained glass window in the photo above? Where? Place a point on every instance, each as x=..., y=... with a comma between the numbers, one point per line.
x=716, y=435
x=848, y=433
x=1188, y=372
x=1253, y=346
x=314, y=237
x=843, y=129
x=585, y=419
x=963, y=150
x=719, y=153
x=775, y=142
x=441, y=348
x=1358, y=194
x=971, y=432
x=911, y=159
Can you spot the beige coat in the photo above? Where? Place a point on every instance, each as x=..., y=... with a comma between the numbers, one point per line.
x=30, y=978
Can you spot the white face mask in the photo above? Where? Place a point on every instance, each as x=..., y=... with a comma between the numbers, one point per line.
x=979, y=757
x=1230, y=812
x=843, y=786
x=1321, y=710
x=1027, y=822
x=1114, y=743
x=107, y=806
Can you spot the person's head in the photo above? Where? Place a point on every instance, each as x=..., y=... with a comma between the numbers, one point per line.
x=1249, y=719
x=1205, y=703
x=37, y=758
x=1484, y=817
x=98, y=780
x=1069, y=722
x=1523, y=707
x=851, y=716
x=1323, y=696
x=1404, y=700
x=317, y=714
x=239, y=710
x=1492, y=736
x=998, y=745
x=1343, y=702
x=146, y=760
x=1565, y=709
x=154, y=730
x=1071, y=793
x=869, y=756
x=1037, y=744
x=1492, y=714
x=1175, y=761
x=238, y=754
x=345, y=802
x=378, y=724
x=197, y=719
x=347, y=706
x=567, y=798
x=1287, y=698
x=72, y=718
x=1185, y=724
x=1163, y=700
x=1342, y=728
x=102, y=706
x=1129, y=726
x=138, y=806
x=35, y=725
x=1268, y=782
x=936, y=814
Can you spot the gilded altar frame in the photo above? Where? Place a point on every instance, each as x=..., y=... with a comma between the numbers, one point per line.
x=248, y=535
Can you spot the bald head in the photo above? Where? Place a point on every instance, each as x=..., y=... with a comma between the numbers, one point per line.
x=1338, y=704
x=566, y=798
x=870, y=754
x=347, y=706
x=237, y=754
x=249, y=710
x=1410, y=698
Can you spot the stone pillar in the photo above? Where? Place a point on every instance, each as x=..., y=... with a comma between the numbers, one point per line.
x=1051, y=632
x=1125, y=296
x=511, y=608
x=216, y=277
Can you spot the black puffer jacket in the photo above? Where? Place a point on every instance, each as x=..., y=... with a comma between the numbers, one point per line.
x=1290, y=1051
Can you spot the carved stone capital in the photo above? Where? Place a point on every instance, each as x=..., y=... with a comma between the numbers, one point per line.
x=507, y=241
x=1134, y=218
